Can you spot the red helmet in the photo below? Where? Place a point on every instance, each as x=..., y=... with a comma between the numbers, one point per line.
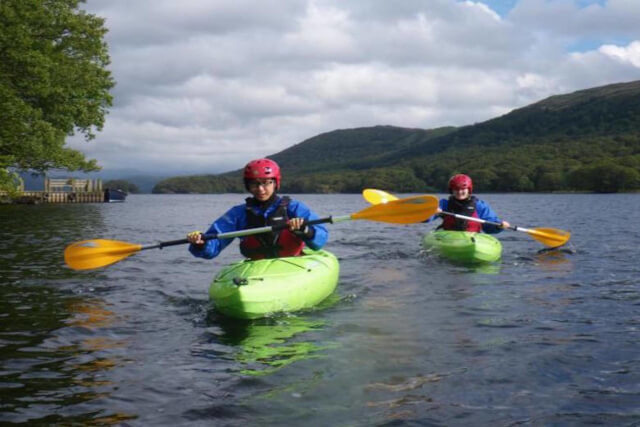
x=262, y=168
x=460, y=181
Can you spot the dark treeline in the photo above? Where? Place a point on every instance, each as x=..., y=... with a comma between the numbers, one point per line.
x=585, y=141
x=122, y=184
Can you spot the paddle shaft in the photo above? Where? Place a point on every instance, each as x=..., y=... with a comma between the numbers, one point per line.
x=484, y=221
x=247, y=232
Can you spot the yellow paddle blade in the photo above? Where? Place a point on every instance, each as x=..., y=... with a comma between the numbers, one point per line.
x=551, y=237
x=90, y=254
x=375, y=197
x=401, y=211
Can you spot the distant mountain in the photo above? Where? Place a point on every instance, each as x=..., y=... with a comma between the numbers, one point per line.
x=588, y=140
x=603, y=111
x=351, y=148
x=145, y=183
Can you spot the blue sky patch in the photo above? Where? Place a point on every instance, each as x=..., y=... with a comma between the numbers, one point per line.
x=502, y=7
x=593, y=44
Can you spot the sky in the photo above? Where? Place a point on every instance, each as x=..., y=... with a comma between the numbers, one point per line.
x=204, y=86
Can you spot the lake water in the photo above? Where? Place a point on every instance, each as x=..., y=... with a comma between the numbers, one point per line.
x=407, y=339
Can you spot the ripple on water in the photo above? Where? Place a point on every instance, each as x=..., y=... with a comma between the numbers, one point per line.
x=407, y=339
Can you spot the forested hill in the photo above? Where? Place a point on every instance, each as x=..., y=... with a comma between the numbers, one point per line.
x=584, y=141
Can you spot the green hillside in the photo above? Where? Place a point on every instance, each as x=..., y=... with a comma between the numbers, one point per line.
x=351, y=148
x=584, y=141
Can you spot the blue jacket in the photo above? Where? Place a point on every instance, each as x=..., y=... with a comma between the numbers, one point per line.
x=235, y=219
x=483, y=210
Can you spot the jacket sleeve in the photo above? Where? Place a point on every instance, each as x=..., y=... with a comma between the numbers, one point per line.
x=485, y=212
x=297, y=209
x=233, y=220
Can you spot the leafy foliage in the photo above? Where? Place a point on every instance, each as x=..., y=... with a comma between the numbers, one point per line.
x=585, y=141
x=9, y=182
x=53, y=82
x=605, y=177
x=199, y=184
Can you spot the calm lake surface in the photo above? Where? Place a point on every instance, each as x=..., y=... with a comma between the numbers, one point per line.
x=407, y=339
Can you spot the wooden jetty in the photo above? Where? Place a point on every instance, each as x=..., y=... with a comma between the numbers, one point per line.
x=63, y=190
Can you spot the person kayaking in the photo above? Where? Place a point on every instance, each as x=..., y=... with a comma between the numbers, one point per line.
x=462, y=202
x=265, y=208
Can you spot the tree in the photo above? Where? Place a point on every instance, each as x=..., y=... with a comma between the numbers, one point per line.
x=53, y=82
x=122, y=184
x=605, y=177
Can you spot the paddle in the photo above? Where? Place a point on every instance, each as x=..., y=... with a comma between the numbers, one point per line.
x=551, y=237
x=90, y=254
x=375, y=197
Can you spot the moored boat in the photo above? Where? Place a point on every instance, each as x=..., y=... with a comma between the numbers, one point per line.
x=114, y=195
x=463, y=246
x=253, y=289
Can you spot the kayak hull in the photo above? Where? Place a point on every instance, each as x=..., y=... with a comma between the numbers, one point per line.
x=254, y=289
x=463, y=246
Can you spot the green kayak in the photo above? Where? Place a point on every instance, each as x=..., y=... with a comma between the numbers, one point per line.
x=463, y=246
x=253, y=289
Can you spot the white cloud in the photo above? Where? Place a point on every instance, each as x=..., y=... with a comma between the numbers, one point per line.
x=626, y=55
x=572, y=19
x=204, y=86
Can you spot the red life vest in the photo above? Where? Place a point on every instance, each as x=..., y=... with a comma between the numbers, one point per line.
x=461, y=207
x=276, y=244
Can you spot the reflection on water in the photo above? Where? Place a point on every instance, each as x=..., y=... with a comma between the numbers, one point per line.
x=434, y=260
x=54, y=353
x=32, y=239
x=89, y=313
x=557, y=259
x=92, y=315
x=397, y=385
x=264, y=346
x=543, y=338
x=59, y=364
